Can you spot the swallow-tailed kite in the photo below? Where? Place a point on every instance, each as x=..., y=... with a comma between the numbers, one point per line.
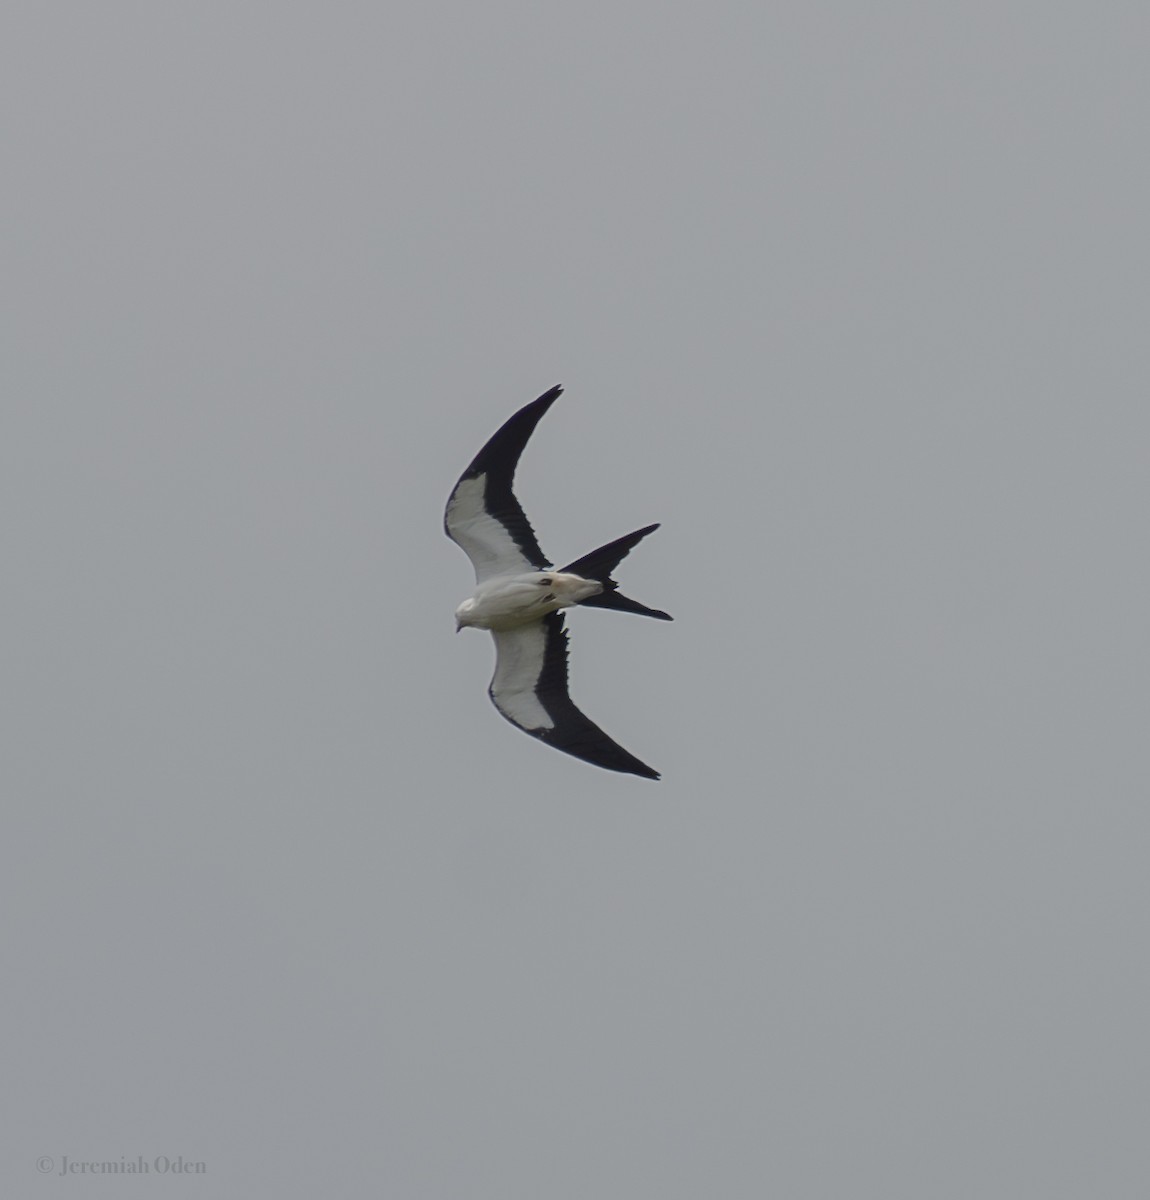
x=518, y=597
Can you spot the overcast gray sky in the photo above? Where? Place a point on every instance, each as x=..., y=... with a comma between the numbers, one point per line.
x=854, y=299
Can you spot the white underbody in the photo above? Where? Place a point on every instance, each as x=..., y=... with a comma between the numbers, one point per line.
x=508, y=601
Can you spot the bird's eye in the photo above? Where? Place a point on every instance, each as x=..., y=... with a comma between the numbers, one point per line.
x=545, y=583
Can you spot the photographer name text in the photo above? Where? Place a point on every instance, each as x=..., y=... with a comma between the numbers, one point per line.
x=160, y=1165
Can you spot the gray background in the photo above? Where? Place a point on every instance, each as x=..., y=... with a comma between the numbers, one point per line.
x=853, y=298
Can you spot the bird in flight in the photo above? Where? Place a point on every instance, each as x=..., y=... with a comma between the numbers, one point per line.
x=518, y=597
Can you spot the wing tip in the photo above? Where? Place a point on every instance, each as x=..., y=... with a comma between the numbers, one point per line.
x=636, y=767
x=601, y=751
x=544, y=402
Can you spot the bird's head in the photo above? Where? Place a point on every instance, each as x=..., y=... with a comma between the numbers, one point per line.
x=463, y=615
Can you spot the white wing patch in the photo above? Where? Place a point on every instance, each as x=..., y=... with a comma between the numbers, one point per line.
x=484, y=539
x=518, y=664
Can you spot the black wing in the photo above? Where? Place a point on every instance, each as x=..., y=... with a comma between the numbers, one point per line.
x=483, y=515
x=530, y=689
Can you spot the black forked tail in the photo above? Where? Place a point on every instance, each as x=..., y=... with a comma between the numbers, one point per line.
x=613, y=598
x=600, y=563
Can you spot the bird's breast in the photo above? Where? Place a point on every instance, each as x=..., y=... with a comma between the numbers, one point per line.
x=519, y=599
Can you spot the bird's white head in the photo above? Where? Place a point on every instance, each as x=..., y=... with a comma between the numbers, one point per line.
x=463, y=614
